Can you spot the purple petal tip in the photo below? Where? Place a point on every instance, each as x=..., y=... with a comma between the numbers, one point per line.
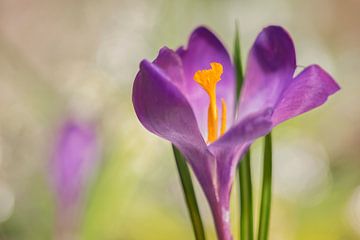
x=274, y=48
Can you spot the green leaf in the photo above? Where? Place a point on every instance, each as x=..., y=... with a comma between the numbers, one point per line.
x=246, y=201
x=265, y=204
x=189, y=194
x=238, y=63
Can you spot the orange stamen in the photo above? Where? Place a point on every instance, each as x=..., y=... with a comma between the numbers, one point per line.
x=208, y=79
x=223, y=117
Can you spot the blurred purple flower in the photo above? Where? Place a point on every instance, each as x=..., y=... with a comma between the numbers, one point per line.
x=169, y=103
x=74, y=161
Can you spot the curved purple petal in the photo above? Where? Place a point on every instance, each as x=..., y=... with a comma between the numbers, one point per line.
x=309, y=89
x=171, y=64
x=202, y=49
x=165, y=111
x=270, y=68
x=249, y=128
x=230, y=147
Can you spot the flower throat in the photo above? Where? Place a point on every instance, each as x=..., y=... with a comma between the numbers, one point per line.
x=208, y=79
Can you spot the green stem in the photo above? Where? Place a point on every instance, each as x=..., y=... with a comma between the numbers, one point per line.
x=246, y=201
x=189, y=194
x=265, y=204
x=238, y=63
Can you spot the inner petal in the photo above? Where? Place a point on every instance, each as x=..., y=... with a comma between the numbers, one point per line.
x=208, y=79
x=202, y=49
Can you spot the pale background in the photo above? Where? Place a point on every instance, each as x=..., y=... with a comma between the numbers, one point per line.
x=79, y=58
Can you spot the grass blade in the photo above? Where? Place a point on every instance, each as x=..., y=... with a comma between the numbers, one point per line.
x=238, y=63
x=189, y=194
x=246, y=201
x=265, y=204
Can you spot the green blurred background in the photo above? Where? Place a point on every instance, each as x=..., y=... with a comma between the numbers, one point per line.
x=79, y=58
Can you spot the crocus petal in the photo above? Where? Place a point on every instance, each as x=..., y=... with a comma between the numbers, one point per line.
x=309, y=89
x=73, y=164
x=202, y=49
x=164, y=110
x=229, y=148
x=170, y=63
x=74, y=156
x=270, y=68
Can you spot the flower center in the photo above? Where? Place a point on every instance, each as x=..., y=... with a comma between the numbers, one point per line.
x=208, y=79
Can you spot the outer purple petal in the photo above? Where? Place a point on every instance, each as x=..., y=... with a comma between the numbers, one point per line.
x=164, y=110
x=249, y=128
x=170, y=63
x=229, y=148
x=203, y=48
x=270, y=68
x=309, y=89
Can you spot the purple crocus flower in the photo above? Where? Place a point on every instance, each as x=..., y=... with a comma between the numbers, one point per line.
x=178, y=97
x=75, y=158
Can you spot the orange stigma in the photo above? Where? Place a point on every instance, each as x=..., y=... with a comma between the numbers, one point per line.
x=208, y=79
